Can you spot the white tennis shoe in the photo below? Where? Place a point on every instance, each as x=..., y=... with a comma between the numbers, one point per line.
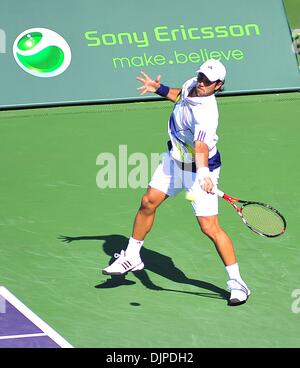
x=239, y=292
x=123, y=265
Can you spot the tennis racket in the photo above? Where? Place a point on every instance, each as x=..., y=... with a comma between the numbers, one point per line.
x=261, y=218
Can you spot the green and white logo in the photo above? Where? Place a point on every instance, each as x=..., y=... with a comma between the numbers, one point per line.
x=42, y=52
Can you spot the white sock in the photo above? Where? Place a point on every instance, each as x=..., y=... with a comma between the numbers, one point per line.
x=133, y=248
x=234, y=272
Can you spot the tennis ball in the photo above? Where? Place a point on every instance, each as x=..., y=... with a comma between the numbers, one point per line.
x=190, y=196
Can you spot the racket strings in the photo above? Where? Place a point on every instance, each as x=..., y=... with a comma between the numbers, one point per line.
x=263, y=219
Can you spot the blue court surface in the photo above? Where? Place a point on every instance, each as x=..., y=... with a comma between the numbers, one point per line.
x=21, y=328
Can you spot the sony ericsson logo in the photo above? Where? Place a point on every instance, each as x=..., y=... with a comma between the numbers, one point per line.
x=42, y=52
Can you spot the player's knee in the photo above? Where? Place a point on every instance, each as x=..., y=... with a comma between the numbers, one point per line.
x=148, y=205
x=208, y=228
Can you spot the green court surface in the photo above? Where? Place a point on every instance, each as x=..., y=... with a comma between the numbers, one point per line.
x=48, y=188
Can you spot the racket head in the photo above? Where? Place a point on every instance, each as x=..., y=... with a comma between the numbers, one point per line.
x=263, y=219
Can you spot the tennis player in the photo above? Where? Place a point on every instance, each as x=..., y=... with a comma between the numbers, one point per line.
x=192, y=163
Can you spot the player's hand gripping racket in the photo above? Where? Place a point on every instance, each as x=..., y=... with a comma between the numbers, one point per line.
x=261, y=218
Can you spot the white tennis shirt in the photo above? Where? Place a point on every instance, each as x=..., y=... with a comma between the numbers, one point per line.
x=193, y=118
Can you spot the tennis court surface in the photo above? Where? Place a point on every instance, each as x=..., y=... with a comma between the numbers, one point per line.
x=59, y=228
x=23, y=328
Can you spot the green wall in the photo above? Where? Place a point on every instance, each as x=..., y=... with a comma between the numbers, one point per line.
x=110, y=43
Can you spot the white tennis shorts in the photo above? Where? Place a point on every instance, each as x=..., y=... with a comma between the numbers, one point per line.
x=170, y=179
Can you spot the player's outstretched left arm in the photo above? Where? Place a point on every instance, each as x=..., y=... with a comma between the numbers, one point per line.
x=154, y=86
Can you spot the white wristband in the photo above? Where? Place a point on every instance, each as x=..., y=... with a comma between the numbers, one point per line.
x=203, y=172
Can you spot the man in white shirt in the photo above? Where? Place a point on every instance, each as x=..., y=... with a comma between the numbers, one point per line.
x=192, y=163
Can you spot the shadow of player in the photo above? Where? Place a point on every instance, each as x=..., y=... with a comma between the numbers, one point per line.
x=156, y=262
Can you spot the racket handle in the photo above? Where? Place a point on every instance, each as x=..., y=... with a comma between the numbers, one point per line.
x=219, y=193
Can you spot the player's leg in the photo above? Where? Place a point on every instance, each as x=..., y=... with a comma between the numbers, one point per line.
x=206, y=210
x=143, y=222
x=166, y=181
x=239, y=291
x=162, y=186
x=224, y=246
x=130, y=260
x=145, y=216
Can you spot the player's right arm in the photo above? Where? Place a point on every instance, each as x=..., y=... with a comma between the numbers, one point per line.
x=201, y=160
x=154, y=86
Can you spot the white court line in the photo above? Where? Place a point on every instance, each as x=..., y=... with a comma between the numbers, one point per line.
x=21, y=336
x=34, y=318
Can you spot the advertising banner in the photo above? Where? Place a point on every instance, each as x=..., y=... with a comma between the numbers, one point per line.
x=66, y=52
